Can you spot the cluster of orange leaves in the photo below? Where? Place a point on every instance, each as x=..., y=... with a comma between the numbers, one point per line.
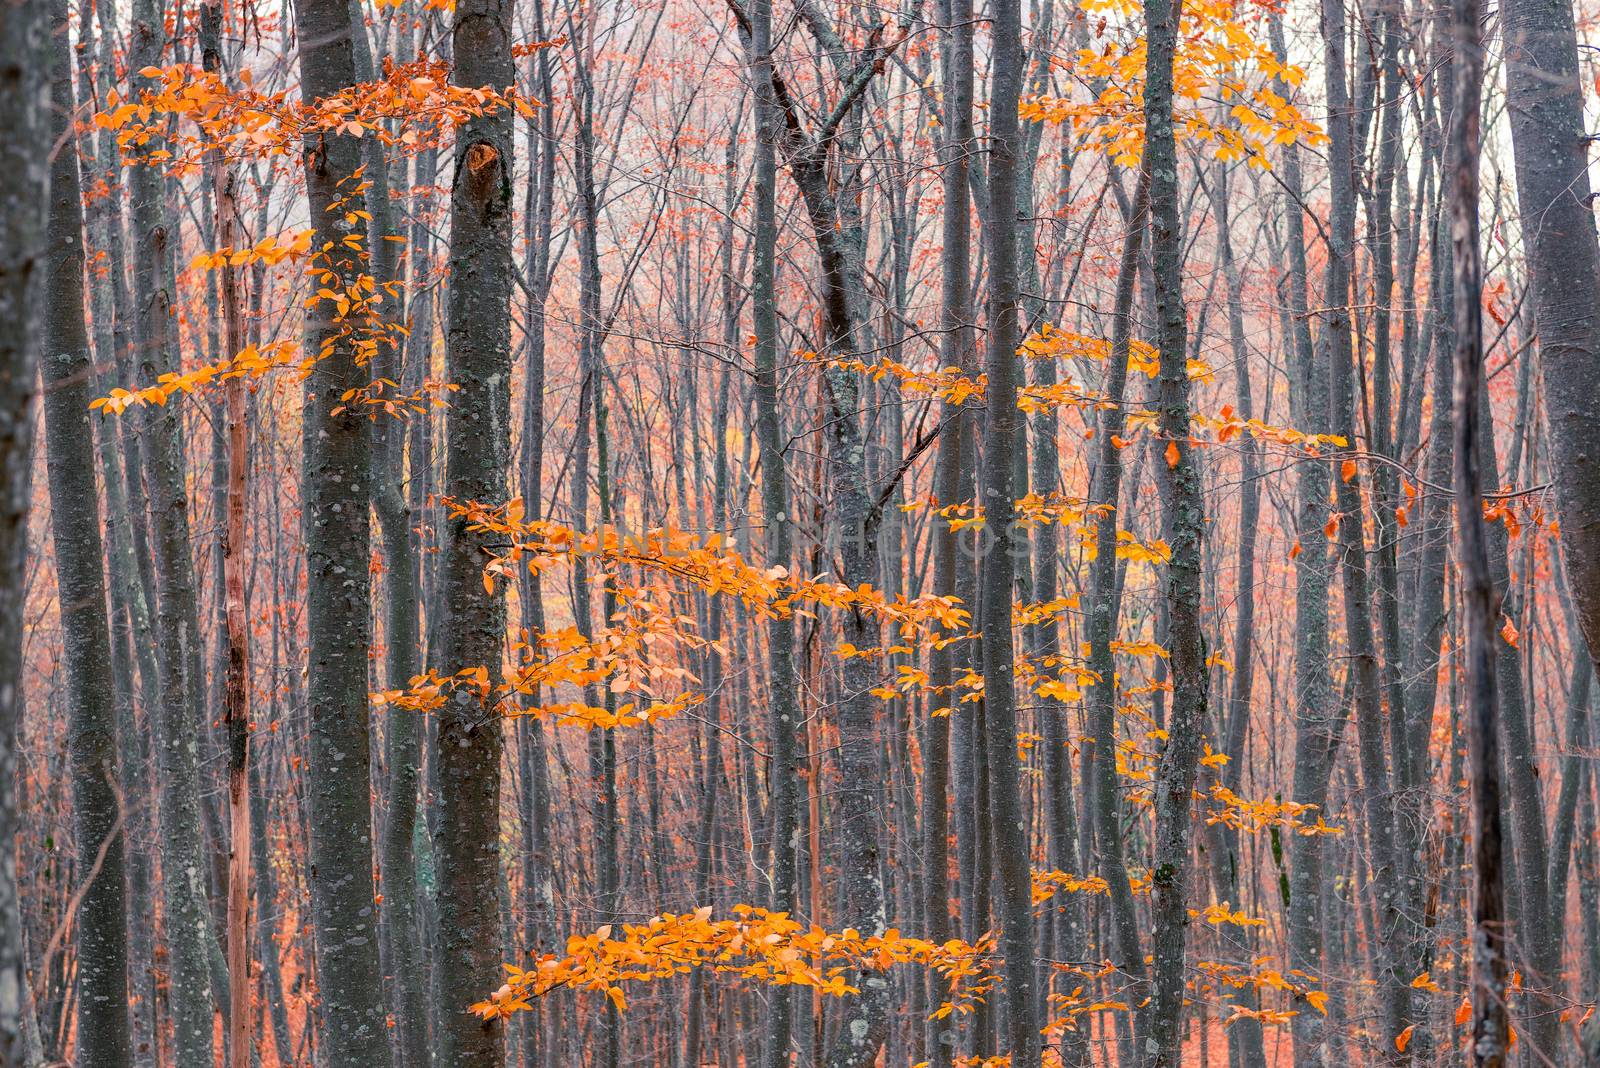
x=631, y=654
x=1245, y=815
x=1056, y=508
x=700, y=560
x=770, y=947
x=413, y=105
x=249, y=362
x=1225, y=87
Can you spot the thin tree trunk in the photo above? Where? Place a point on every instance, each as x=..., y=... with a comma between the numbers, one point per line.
x=953, y=485
x=1245, y=1043
x=236, y=689
x=1183, y=509
x=783, y=716
x=186, y=915
x=1105, y=605
x=1490, y=1038
x=1394, y=988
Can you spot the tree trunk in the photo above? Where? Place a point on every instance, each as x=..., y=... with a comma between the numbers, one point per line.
x=103, y=1039
x=1183, y=509
x=186, y=914
x=24, y=114
x=1490, y=1038
x=236, y=687
x=478, y=356
x=1000, y=445
x=1550, y=140
x=1394, y=988
x=337, y=523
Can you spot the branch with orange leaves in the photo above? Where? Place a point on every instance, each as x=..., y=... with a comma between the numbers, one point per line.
x=632, y=654
x=699, y=560
x=769, y=947
x=411, y=107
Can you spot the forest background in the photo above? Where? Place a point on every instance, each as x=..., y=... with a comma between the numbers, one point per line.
x=568, y=532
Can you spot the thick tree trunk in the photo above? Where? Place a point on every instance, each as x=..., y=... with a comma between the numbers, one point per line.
x=103, y=1039
x=478, y=357
x=337, y=524
x=1000, y=445
x=24, y=114
x=1550, y=140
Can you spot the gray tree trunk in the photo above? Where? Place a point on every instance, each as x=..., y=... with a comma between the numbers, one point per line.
x=953, y=484
x=24, y=114
x=478, y=428
x=1490, y=1023
x=103, y=1039
x=337, y=522
x=187, y=916
x=1183, y=509
x=1005, y=542
x=1377, y=802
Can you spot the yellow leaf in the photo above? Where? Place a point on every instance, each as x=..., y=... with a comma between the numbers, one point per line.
x=1318, y=1000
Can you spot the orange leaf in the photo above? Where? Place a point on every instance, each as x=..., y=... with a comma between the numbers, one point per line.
x=1294, y=550
x=1509, y=632
x=1172, y=454
x=1403, y=1039
x=1347, y=470
x=1332, y=529
x=1463, y=1011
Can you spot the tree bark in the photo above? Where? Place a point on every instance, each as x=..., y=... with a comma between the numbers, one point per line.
x=186, y=914
x=1104, y=609
x=1394, y=988
x=236, y=687
x=1550, y=145
x=1000, y=445
x=1183, y=509
x=478, y=427
x=337, y=523
x=102, y=1034
x=783, y=717
x=24, y=114
x=1490, y=1037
